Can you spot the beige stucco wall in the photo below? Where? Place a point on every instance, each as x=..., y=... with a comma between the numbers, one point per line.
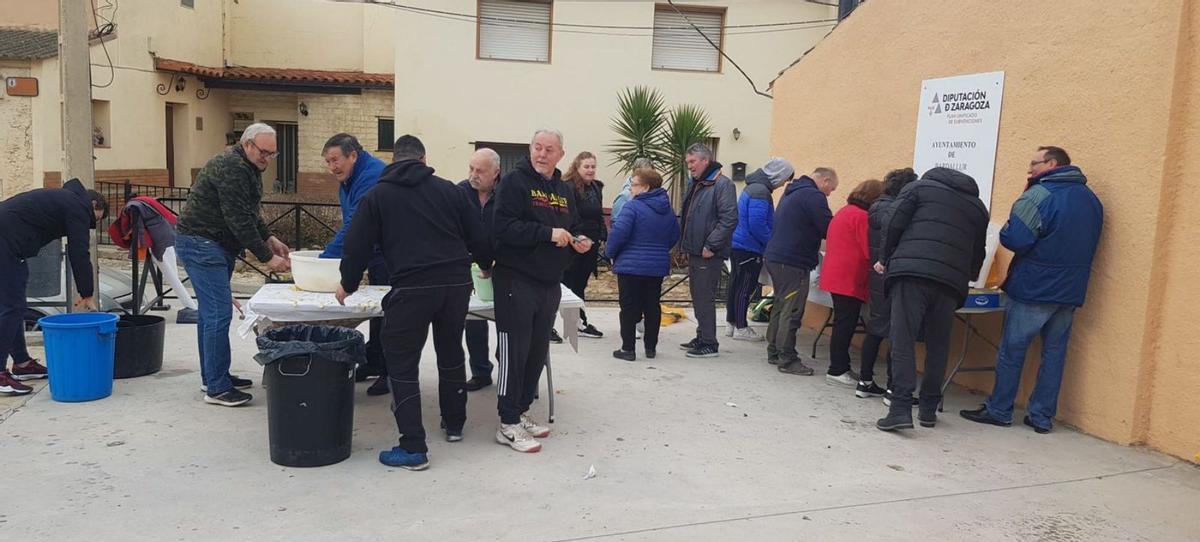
x=450, y=99
x=29, y=13
x=1112, y=100
x=16, y=135
x=313, y=34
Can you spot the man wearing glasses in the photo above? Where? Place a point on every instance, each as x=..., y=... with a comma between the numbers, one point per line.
x=220, y=220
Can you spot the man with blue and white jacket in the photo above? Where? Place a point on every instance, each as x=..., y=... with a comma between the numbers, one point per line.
x=357, y=172
x=1053, y=230
x=756, y=217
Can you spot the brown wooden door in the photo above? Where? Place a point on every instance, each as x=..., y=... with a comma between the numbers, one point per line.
x=170, y=139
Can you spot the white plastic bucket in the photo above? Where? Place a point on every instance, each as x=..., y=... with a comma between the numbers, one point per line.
x=315, y=274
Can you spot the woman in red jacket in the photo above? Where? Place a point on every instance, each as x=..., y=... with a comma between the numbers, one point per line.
x=844, y=273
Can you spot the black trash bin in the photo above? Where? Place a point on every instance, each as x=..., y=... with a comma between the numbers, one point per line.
x=139, y=350
x=308, y=372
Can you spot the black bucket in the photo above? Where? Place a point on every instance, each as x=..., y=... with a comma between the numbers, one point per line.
x=139, y=349
x=310, y=410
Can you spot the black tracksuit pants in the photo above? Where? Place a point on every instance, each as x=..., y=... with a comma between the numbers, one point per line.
x=377, y=275
x=916, y=303
x=639, y=298
x=525, y=311
x=408, y=315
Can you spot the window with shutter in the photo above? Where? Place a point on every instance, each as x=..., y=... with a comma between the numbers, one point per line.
x=678, y=46
x=514, y=30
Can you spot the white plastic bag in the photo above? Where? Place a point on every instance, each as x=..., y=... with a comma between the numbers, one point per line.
x=993, y=242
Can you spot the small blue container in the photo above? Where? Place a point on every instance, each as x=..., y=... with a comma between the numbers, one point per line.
x=79, y=355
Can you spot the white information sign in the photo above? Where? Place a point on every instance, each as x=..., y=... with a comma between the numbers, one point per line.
x=958, y=123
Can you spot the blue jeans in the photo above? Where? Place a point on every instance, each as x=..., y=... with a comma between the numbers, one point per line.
x=210, y=267
x=1022, y=323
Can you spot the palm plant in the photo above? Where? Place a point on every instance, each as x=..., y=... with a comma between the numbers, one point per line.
x=638, y=125
x=685, y=126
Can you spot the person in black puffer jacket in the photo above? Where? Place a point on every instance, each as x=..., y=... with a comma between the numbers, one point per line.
x=589, y=199
x=933, y=245
x=880, y=311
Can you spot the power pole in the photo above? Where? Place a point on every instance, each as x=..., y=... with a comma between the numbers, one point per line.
x=75, y=84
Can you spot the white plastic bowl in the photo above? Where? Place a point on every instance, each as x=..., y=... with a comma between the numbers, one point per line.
x=315, y=274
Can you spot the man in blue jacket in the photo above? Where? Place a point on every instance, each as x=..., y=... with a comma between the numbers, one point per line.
x=1053, y=230
x=357, y=172
x=801, y=222
x=756, y=215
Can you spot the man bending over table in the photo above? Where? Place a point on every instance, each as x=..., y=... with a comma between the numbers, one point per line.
x=428, y=234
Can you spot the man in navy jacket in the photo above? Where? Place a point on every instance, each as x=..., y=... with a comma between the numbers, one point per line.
x=1053, y=230
x=29, y=221
x=357, y=172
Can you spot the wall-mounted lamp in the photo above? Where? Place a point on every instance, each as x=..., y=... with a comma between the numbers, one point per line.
x=303, y=108
x=180, y=84
x=737, y=134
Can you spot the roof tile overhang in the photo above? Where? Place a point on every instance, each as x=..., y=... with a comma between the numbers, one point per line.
x=278, y=78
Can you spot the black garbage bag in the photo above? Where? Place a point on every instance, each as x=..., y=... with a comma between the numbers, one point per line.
x=330, y=343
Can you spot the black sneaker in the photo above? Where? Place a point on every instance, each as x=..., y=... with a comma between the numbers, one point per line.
x=231, y=398
x=476, y=383
x=887, y=399
x=773, y=359
x=868, y=389
x=379, y=387
x=1036, y=428
x=895, y=420
x=627, y=355
x=694, y=343
x=590, y=332
x=981, y=415
x=703, y=351
x=650, y=353
x=554, y=337
x=927, y=416
x=238, y=383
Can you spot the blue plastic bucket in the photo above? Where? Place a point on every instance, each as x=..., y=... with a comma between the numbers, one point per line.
x=79, y=355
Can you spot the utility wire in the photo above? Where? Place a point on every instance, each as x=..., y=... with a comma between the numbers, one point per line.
x=718, y=48
x=509, y=24
x=474, y=17
x=102, y=31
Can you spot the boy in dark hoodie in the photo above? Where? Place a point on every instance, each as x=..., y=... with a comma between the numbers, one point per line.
x=428, y=234
x=534, y=220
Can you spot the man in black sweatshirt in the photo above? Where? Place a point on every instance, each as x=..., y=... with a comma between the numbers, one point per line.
x=535, y=214
x=29, y=221
x=429, y=234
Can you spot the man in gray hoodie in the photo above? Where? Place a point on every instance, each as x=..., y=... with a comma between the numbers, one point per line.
x=709, y=218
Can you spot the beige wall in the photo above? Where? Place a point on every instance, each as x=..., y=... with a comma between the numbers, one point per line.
x=312, y=34
x=16, y=135
x=450, y=99
x=1121, y=102
x=29, y=13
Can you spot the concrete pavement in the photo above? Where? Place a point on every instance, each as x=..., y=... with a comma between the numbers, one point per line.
x=792, y=459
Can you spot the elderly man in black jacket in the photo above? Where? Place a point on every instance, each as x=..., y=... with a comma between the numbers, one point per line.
x=29, y=221
x=480, y=191
x=535, y=225
x=933, y=245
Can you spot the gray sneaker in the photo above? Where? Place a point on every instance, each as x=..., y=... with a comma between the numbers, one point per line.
x=795, y=367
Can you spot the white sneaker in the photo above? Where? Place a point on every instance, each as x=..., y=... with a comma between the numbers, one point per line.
x=640, y=330
x=844, y=379
x=747, y=334
x=729, y=329
x=534, y=429
x=517, y=438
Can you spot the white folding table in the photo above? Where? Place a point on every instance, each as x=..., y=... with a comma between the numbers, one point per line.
x=276, y=304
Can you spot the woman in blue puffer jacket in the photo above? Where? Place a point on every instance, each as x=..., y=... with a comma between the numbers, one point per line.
x=639, y=245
